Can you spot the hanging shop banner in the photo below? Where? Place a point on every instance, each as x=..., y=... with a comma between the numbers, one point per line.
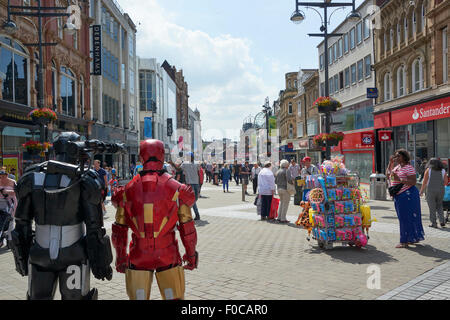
x=272, y=126
x=148, y=128
x=97, y=50
x=432, y=110
x=169, y=127
x=372, y=93
x=367, y=138
x=384, y=135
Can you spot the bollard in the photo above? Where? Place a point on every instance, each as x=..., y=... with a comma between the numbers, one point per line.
x=243, y=193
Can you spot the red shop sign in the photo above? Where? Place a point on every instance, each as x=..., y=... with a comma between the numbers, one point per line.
x=433, y=110
x=384, y=135
x=367, y=138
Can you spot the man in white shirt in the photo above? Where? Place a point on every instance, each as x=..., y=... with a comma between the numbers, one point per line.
x=266, y=189
x=255, y=171
x=294, y=169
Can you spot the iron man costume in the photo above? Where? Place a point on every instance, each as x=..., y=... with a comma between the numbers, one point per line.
x=152, y=205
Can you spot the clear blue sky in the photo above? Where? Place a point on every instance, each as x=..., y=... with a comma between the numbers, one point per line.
x=233, y=53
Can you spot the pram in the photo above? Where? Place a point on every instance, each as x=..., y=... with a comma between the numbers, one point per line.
x=6, y=215
x=447, y=208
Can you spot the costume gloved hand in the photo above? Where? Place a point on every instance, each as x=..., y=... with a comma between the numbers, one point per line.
x=192, y=261
x=102, y=273
x=121, y=264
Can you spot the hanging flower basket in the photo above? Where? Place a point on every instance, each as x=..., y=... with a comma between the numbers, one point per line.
x=35, y=147
x=326, y=104
x=328, y=139
x=43, y=116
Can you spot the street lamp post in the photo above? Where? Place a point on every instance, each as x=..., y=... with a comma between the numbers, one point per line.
x=267, y=110
x=298, y=16
x=39, y=12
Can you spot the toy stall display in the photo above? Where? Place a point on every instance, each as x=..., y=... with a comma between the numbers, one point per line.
x=334, y=208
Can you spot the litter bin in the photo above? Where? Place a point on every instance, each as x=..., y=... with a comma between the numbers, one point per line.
x=377, y=186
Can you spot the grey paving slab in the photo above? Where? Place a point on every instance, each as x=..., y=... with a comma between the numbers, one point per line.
x=243, y=258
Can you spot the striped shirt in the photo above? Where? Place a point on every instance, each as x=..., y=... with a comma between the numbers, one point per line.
x=403, y=173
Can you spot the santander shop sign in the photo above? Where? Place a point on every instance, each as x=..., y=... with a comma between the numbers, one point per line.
x=433, y=110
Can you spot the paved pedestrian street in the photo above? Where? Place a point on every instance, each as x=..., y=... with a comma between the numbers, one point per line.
x=243, y=258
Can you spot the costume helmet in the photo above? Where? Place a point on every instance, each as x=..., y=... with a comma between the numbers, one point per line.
x=152, y=154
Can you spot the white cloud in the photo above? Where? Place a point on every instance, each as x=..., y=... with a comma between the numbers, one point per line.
x=224, y=82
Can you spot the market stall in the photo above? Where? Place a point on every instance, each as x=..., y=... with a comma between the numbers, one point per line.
x=334, y=207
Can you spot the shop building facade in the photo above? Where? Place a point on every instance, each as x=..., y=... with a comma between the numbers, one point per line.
x=350, y=75
x=66, y=81
x=308, y=119
x=115, y=93
x=413, y=111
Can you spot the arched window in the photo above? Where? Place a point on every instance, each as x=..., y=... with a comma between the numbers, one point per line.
x=290, y=108
x=68, y=92
x=391, y=38
x=417, y=75
x=401, y=80
x=399, y=34
x=36, y=73
x=414, y=22
x=387, y=87
x=14, y=71
x=405, y=26
x=291, y=131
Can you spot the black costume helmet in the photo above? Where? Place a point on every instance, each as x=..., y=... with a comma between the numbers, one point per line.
x=65, y=148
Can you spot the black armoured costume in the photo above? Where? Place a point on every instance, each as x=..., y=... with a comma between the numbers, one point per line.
x=69, y=239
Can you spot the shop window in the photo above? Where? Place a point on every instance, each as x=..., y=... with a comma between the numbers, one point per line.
x=68, y=92
x=14, y=72
x=361, y=163
x=443, y=136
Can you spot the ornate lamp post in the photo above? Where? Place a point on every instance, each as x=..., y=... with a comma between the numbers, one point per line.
x=298, y=16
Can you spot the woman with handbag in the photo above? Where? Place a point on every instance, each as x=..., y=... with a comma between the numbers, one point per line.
x=282, y=179
x=434, y=181
x=406, y=198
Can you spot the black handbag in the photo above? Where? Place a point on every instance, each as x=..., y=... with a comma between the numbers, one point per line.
x=395, y=189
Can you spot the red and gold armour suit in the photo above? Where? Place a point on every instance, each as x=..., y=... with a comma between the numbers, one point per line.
x=152, y=205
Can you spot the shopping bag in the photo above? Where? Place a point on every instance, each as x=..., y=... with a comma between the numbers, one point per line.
x=291, y=189
x=447, y=194
x=274, y=208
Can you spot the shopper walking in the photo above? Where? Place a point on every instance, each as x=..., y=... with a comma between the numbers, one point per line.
x=434, y=181
x=282, y=178
x=237, y=172
x=226, y=176
x=179, y=174
x=245, y=174
x=406, y=199
x=102, y=173
x=7, y=187
x=266, y=189
x=190, y=171
x=209, y=172
x=254, y=176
